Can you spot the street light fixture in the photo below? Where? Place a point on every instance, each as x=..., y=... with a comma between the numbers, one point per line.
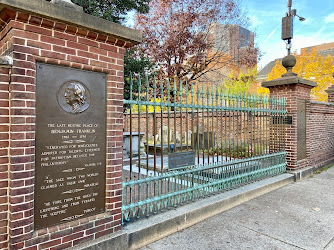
x=287, y=25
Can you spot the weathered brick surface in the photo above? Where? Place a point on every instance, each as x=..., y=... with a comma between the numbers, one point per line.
x=319, y=127
x=4, y=156
x=29, y=39
x=292, y=93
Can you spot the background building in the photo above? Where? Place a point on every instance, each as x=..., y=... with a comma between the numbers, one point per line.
x=324, y=49
x=237, y=42
x=231, y=49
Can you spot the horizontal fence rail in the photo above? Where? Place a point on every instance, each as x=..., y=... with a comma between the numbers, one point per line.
x=182, y=142
x=151, y=195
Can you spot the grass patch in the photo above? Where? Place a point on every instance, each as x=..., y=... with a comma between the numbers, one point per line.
x=318, y=171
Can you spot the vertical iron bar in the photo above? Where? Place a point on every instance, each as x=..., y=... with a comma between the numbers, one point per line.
x=221, y=125
x=253, y=125
x=277, y=126
x=154, y=128
x=279, y=117
x=257, y=124
x=208, y=121
x=147, y=117
x=131, y=85
x=237, y=124
x=244, y=123
x=181, y=117
x=270, y=125
x=212, y=127
x=203, y=124
x=161, y=126
x=226, y=121
x=175, y=127
x=266, y=126
x=192, y=119
x=232, y=126
x=197, y=132
x=247, y=124
x=261, y=125
x=168, y=117
x=139, y=129
x=217, y=123
x=187, y=128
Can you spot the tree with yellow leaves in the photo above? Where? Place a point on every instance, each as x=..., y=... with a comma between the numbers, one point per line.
x=311, y=66
x=241, y=82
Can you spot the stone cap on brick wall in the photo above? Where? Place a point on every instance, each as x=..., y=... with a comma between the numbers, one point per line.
x=288, y=80
x=70, y=16
x=330, y=90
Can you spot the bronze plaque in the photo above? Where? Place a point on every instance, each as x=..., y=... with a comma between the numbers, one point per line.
x=70, y=144
x=301, y=129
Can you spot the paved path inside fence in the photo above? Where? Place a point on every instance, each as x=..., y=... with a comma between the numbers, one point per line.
x=298, y=216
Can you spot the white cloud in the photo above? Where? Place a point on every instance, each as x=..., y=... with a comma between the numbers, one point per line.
x=255, y=21
x=329, y=18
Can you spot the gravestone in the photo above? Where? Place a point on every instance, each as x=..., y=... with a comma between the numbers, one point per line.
x=208, y=138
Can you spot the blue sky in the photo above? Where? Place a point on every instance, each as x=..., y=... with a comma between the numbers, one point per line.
x=266, y=17
x=266, y=20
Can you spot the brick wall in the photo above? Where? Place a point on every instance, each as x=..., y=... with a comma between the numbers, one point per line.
x=255, y=130
x=319, y=125
x=321, y=130
x=30, y=39
x=4, y=159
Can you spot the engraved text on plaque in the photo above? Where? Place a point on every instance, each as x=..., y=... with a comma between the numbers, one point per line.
x=70, y=144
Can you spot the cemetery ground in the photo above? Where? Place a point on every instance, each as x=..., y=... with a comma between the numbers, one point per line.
x=297, y=216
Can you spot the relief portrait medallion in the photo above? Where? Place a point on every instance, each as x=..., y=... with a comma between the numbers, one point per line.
x=73, y=97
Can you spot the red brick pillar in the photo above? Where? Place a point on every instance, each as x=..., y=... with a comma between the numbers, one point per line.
x=296, y=92
x=38, y=31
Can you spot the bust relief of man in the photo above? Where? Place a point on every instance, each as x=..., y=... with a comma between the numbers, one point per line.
x=73, y=97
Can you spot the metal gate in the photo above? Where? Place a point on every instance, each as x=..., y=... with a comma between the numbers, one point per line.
x=184, y=142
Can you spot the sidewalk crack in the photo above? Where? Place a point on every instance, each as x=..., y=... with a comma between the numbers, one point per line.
x=251, y=229
x=331, y=240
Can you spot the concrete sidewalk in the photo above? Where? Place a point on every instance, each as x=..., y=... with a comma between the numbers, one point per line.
x=297, y=216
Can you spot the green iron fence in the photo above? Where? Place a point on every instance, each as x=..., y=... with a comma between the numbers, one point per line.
x=230, y=138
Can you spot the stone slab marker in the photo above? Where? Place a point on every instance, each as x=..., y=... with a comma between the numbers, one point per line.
x=61, y=125
x=296, y=92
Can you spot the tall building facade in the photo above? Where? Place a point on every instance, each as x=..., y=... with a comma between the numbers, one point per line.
x=235, y=41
